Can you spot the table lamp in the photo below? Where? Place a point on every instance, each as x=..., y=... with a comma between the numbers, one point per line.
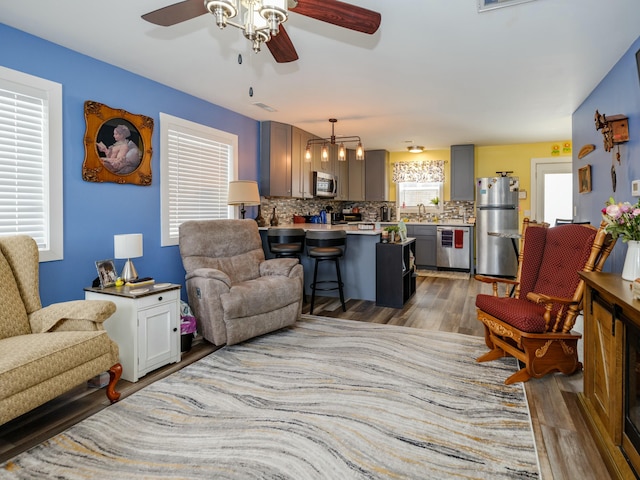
x=128, y=246
x=243, y=192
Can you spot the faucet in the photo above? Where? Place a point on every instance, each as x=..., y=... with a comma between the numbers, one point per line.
x=421, y=207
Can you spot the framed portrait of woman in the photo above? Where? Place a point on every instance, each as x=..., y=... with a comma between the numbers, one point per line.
x=117, y=145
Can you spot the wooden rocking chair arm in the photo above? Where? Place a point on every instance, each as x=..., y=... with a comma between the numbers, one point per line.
x=485, y=279
x=542, y=298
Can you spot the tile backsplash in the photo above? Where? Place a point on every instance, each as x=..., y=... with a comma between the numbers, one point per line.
x=286, y=208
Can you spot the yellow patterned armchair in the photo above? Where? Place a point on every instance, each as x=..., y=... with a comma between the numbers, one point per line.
x=45, y=352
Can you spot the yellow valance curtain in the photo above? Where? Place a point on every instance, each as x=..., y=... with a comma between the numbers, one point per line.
x=422, y=172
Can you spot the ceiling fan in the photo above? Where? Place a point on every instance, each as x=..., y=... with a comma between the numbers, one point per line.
x=274, y=35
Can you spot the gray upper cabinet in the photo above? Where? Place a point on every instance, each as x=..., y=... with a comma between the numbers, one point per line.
x=275, y=159
x=301, y=171
x=342, y=173
x=376, y=186
x=356, y=177
x=462, y=172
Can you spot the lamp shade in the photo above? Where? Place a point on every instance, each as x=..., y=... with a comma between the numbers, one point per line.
x=243, y=192
x=127, y=246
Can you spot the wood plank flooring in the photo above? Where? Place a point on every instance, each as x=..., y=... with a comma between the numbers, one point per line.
x=564, y=444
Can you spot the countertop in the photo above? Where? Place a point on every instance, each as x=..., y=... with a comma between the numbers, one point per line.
x=352, y=228
x=443, y=223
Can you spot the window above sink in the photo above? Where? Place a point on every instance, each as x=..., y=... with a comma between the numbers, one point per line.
x=411, y=194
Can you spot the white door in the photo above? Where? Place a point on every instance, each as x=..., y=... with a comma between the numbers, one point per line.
x=552, y=190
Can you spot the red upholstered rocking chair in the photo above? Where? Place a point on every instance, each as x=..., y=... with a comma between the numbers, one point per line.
x=535, y=325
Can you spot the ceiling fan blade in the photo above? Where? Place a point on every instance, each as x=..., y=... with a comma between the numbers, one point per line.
x=340, y=14
x=176, y=13
x=282, y=48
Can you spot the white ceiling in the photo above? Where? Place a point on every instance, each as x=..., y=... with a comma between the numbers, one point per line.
x=436, y=73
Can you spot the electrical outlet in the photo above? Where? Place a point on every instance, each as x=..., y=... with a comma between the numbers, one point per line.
x=635, y=188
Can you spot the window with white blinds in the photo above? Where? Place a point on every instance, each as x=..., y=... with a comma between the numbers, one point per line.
x=31, y=160
x=197, y=164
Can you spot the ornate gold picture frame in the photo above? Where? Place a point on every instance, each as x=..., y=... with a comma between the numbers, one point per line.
x=117, y=145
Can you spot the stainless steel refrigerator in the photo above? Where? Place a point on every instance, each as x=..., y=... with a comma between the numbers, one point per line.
x=496, y=212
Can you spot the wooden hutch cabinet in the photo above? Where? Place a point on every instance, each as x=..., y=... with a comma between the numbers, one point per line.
x=610, y=401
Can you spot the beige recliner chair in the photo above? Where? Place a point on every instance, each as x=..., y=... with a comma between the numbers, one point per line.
x=236, y=294
x=45, y=352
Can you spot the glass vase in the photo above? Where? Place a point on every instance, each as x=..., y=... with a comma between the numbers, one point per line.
x=631, y=269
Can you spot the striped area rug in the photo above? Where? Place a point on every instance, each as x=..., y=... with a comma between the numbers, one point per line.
x=325, y=399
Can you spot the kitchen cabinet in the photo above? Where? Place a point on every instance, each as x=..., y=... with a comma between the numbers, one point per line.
x=425, y=249
x=376, y=185
x=356, y=177
x=145, y=326
x=611, y=314
x=395, y=274
x=462, y=172
x=301, y=170
x=275, y=159
x=342, y=173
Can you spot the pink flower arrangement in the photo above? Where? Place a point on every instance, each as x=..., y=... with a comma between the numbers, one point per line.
x=623, y=220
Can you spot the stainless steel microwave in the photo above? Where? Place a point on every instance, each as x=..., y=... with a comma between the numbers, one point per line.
x=324, y=185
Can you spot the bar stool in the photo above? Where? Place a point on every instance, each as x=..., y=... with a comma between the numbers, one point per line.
x=323, y=245
x=286, y=242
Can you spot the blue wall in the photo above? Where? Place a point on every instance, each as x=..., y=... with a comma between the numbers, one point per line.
x=94, y=212
x=617, y=93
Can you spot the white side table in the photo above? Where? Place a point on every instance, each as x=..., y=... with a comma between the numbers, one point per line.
x=146, y=325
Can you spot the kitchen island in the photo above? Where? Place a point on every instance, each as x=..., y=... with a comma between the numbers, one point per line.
x=358, y=266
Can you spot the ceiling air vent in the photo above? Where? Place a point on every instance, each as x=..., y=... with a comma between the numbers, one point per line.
x=484, y=5
x=264, y=106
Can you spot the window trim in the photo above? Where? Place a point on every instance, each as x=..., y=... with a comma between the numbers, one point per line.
x=52, y=165
x=166, y=122
x=428, y=207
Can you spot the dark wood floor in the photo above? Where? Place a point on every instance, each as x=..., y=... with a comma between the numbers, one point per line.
x=565, y=447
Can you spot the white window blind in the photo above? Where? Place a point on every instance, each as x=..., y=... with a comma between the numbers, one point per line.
x=30, y=180
x=198, y=163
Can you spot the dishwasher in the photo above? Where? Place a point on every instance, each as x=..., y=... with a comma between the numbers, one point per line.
x=452, y=248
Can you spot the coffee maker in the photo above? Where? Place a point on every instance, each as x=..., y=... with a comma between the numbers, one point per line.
x=385, y=213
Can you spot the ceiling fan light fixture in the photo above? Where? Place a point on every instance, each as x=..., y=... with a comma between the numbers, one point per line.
x=275, y=13
x=222, y=10
x=260, y=18
x=416, y=148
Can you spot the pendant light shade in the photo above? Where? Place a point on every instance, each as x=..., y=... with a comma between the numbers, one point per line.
x=331, y=141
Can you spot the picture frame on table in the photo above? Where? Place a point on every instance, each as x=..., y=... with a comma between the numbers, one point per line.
x=106, y=273
x=584, y=179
